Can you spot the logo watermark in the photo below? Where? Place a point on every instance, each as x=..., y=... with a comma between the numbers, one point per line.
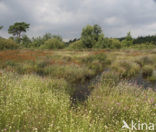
x=139, y=126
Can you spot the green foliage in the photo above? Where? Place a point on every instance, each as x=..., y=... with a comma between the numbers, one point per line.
x=53, y=43
x=25, y=41
x=115, y=44
x=102, y=42
x=97, y=32
x=7, y=44
x=18, y=28
x=87, y=36
x=1, y=27
x=37, y=42
x=108, y=43
x=90, y=35
x=57, y=37
x=143, y=46
x=128, y=41
x=145, y=39
x=77, y=45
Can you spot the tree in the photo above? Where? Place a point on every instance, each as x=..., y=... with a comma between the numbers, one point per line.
x=57, y=37
x=25, y=41
x=1, y=27
x=47, y=36
x=18, y=28
x=97, y=31
x=90, y=35
x=128, y=41
x=129, y=37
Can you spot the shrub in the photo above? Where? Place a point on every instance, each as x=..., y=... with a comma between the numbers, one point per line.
x=102, y=43
x=143, y=46
x=115, y=44
x=76, y=45
x=108, y=43
x=37, y=42
x=7, y=44
x=128, y=41
x=53, y=43
x=25, y=41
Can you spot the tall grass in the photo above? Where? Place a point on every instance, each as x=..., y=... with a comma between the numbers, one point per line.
x=111, y=103
x=39, y=98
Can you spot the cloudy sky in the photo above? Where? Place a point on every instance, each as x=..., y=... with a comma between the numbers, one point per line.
x=68, y=17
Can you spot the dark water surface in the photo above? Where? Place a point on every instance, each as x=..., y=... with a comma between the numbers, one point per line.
x=83, y=90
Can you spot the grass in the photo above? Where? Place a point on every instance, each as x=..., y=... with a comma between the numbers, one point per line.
x=147, y=70
x=126, y=68
x=113, y=104
x=36, y=87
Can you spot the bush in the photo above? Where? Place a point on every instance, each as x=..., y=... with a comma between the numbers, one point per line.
x=7, y=44
x=76, y=45
x=115, y=44
x=25, y=41
x=108, y=43
x=127, y=43
x=102, y=43
x=53, y=43
x=143, y=46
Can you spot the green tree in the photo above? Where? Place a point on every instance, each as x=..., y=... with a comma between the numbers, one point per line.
x=18, y=28
x=129, y=37
x=90, y=35
x=1, y=27
x=97, y=32
x=47, y=36
x=25, y=41
x=57, y=37
x=128, y=41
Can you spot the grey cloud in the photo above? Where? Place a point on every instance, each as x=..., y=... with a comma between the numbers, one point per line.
x=68, y=17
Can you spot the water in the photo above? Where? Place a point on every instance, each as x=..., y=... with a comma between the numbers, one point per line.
x=142, y=82
x=83, y=90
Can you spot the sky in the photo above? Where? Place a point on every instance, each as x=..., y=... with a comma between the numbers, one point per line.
x=68, y=17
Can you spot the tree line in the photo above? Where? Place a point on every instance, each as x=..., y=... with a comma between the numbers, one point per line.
x=92, y=36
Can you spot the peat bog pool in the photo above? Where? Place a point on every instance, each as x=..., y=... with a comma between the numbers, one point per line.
x=83, y=90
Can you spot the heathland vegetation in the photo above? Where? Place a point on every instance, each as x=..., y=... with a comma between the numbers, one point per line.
x=90, y=84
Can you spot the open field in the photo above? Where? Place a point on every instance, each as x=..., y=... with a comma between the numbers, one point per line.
x=76, y=91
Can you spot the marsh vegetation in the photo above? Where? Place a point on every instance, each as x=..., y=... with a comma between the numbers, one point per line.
x=89, y=84
x=37, y=89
